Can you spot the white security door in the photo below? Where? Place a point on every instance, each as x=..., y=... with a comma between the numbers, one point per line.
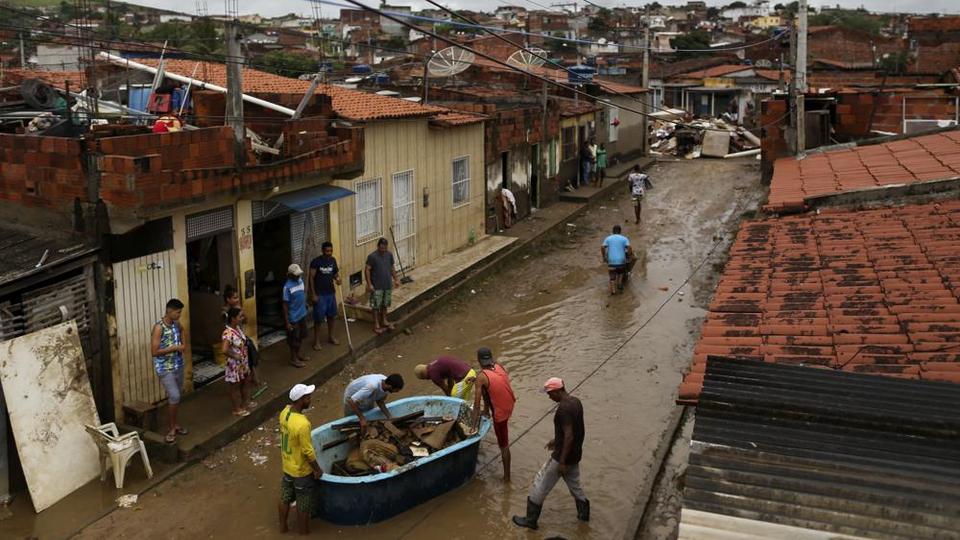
x=404, y=219
x=141, y=288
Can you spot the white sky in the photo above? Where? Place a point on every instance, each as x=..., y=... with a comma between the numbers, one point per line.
x=280, y=7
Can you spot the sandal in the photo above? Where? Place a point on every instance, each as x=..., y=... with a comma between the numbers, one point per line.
x=182, y=430
x=241, y=413
x=170, y=438
x=252, y=405
x=298, y=364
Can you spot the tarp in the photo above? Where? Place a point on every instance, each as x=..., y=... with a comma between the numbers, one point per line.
x=49, y=398
x=310, y=198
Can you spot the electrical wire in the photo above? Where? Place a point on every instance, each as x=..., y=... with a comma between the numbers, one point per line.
x=602, y=363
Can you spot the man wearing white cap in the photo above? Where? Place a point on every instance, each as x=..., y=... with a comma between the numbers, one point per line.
x=566, y=450
x=300, y=467
x=295, y=312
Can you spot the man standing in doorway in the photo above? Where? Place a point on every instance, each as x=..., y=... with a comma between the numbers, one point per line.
x=637, y=184
x=616, y=253
x=166, y=347
x=566, y=451
x=300, y=468
x=324, y=274
x=381, y=278
x=493, y=385
x=295, y=313
x=587, y=158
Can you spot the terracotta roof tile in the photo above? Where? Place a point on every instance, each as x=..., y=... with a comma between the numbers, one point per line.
x=918, y=159
x=57, y=79
x=348, y=103
x=871, y=291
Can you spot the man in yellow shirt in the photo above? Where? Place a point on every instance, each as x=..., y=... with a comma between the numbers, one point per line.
x=300, y=467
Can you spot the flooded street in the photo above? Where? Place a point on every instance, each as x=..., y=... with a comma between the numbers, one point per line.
x=545, y=315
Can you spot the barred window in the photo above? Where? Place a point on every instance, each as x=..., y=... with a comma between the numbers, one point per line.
x=461, y=181
x=369, y=202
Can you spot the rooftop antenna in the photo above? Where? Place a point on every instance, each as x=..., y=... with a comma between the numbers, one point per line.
x=449, y=62
x=527, y=59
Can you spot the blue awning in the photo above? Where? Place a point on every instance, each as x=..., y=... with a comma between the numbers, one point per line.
x=310, y=198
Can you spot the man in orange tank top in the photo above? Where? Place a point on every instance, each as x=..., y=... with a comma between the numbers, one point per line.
x=494, y=385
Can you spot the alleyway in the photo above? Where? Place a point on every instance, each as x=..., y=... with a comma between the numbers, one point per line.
x=548, y=315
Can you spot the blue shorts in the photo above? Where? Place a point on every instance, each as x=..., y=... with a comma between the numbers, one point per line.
x=325, y=308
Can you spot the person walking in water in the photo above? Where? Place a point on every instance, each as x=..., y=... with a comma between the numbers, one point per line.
x=616, y=253
x=637, y=183
x=566, y=452
x=493, y=385
x=166, y=347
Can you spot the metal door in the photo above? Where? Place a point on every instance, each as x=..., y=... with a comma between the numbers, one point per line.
x=142, y=287
x=404, y=219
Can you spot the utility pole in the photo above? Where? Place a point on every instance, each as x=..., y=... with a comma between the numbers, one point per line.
x=235, y=92
x=645, y=83
x=800, y=78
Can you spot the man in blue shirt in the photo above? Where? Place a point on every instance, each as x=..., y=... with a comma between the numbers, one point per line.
x=616, y=253
x=295, y=312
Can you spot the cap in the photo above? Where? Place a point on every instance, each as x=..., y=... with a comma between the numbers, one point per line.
x=553, y=383
x=485, y=356
x=420, y=370
x=300, y=390
x=295, y=270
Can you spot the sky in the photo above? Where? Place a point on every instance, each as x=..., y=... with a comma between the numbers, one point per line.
x=280, y=7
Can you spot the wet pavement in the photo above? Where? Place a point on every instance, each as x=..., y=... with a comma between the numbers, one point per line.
x=546, y=315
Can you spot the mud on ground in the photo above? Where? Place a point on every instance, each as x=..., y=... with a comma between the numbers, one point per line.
x=548, y=314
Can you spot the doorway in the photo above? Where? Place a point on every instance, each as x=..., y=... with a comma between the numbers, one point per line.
x=505, y=170
x=404, y=220
x=271, y=255
x=535, y=176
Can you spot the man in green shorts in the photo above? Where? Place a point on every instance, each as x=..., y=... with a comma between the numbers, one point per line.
x=300, y=468
x=381, y=278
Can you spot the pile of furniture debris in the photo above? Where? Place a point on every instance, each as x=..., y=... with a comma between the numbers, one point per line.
x=392, y=443
x=702, y=138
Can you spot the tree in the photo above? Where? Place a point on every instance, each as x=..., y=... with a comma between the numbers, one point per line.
x=735, y=5
x=779, y=7
x=894, y=63
x=600, y=24
x=653, y=6
x=288, y=64
x=712, y=13
x=849, y=19
x=694, y=40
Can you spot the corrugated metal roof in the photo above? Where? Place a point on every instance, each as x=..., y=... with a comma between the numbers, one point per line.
x=826, y=450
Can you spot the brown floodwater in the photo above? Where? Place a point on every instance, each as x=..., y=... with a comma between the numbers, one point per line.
x=546, y=315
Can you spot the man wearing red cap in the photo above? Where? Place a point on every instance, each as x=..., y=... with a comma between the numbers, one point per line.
x=564, y=462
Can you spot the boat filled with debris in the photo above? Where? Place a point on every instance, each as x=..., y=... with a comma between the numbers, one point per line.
x=427, y=448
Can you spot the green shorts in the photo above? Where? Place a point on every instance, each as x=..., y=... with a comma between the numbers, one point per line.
x=381, y=299
x=301, y=490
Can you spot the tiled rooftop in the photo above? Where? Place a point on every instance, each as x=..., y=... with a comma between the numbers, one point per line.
x=348, y=103
x=716, y=71
x=871, y=291
x=57, y=79
x=917, y=159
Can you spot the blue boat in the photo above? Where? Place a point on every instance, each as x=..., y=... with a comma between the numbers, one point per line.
x=360, y=500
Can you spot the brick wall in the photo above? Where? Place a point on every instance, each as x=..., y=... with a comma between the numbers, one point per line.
x=854, y=111
x=42, y=172
x=162, y=170
x=772, y=136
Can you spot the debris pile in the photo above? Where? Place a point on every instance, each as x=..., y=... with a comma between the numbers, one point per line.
x=386, y=445
x=702, y=138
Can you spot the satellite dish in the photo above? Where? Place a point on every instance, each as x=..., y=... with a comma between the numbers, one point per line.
x=527, y=58
x=450, y=61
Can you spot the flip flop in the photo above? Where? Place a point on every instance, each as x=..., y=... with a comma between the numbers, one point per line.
x=241, y=413
x=317, y=348
x=298, y=364
x=252, y=405
x=379, y=331
x=182, y=430
x=170, y=438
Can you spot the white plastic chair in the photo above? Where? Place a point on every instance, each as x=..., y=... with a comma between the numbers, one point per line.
x=116, y=451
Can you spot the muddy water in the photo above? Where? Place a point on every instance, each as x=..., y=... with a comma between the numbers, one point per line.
x=548, y=315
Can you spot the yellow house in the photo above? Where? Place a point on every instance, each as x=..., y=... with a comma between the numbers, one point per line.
x=766, y=22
